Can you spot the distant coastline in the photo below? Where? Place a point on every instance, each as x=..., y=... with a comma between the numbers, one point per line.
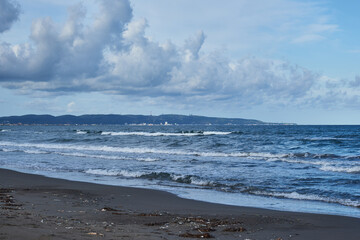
x=116, y=119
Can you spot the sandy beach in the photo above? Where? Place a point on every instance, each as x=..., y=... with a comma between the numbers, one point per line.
x=37, y=207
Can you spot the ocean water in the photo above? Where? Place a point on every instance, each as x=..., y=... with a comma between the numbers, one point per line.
x=294, y=168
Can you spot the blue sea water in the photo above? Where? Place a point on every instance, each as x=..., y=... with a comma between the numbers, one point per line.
x=294, y=168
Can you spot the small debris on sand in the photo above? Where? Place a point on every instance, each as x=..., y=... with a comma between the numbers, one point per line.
x=150, y=214
x=109, y=209
x=95, y=234
x=155, y=224
x=201, y=235
x=236, y=229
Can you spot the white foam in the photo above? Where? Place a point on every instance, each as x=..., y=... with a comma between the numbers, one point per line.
x=110, y=157
x=142, y=150
x=310, y=197
x=216, y=133
x=111, y=172
x=102, y=172
x=309, y=162
x=35, y=152
x=350, y=169
x=76, y=154
x=253, y=155
x=325, y=166
x=81, y=132
x=90, y=155
x=192, y=180
x=7, y=150
x=25, y=151
x=200, y=182
x=328, y=166
x=155, y=134
x=147, y=159
x=136, y=174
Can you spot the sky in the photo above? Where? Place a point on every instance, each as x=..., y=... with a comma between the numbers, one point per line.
x=285, y=61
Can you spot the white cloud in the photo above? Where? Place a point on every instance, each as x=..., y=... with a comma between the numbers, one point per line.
x=193, y=46
x=114, y=55
x=68, y=51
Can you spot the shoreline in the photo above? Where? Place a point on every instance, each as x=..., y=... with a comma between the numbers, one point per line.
x=247, y=201
x=38, y=207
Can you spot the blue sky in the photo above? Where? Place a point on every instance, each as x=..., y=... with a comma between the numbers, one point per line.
x=276, y=61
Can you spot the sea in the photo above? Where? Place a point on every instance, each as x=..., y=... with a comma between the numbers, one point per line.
x=313, y=169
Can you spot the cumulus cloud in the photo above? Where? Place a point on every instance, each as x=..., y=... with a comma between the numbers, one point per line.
x=69, y=52
x=113, y=55
x=9, y=13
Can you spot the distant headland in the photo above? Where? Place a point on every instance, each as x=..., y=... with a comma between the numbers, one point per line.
x=107, y=119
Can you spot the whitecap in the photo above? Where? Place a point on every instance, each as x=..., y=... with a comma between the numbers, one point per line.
x=156, y=134
x=142, y=150
x=81, y=132
x=111, y=172
x=349, y=169
x=35, y=152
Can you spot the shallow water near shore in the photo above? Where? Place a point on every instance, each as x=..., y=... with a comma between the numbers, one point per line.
x=293, y=168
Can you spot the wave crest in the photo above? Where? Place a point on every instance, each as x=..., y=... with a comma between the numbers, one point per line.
x=157, y=134
x=311, y=197
x=164, y=176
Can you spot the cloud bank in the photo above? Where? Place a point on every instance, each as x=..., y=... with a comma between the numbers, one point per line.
x=112, y=55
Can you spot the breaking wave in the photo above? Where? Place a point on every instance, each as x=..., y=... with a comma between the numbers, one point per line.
x=311, y=197
x=306, y=163
x=137, y=150
x=308, y=159
x=109, y=172
x=156, y=134
x=187, y=179
x=195, y=180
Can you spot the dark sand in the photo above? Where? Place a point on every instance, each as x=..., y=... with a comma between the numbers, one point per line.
x=37, y=207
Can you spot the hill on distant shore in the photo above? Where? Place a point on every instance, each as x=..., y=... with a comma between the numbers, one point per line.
x=124, y=119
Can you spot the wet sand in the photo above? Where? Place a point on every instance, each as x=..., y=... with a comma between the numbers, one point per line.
x=37, y=207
